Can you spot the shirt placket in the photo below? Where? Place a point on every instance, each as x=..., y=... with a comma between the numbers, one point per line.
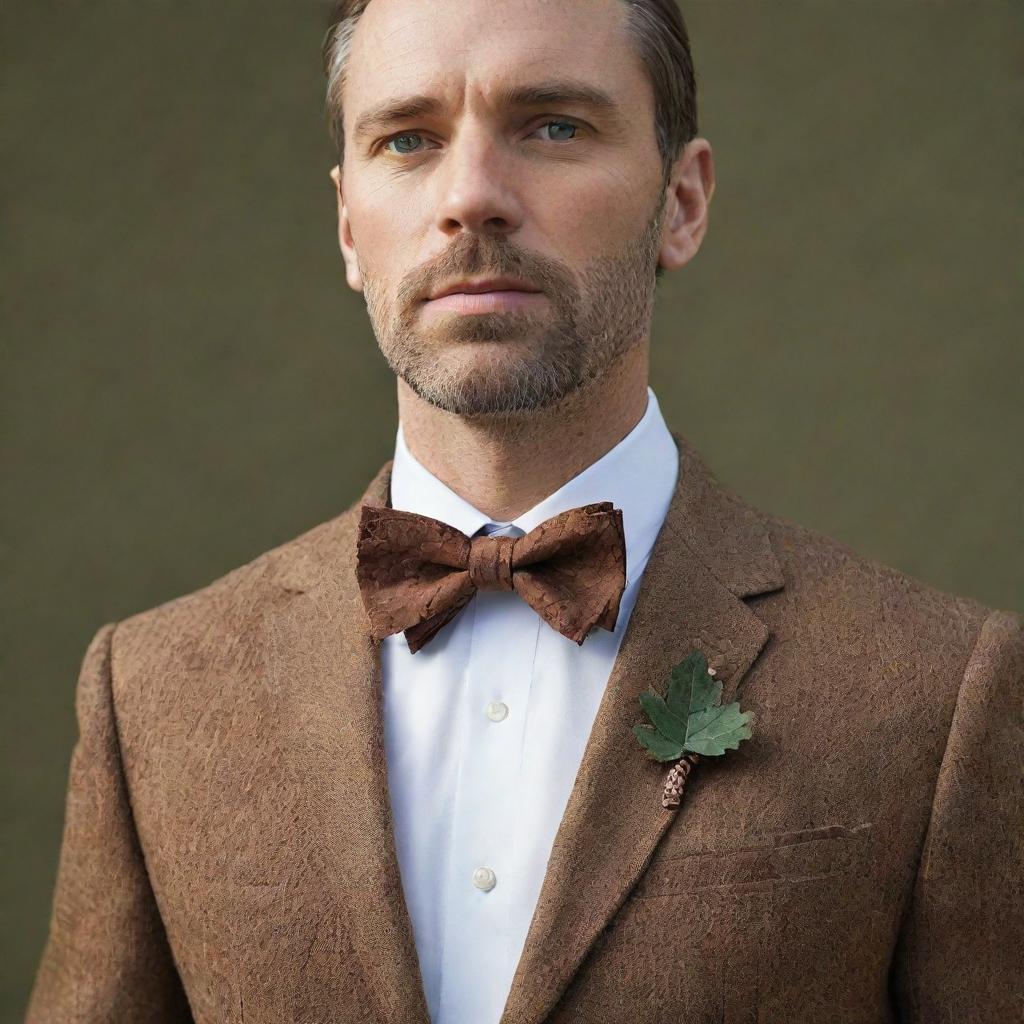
x=482, y=875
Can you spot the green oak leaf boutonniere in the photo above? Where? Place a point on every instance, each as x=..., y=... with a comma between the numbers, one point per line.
x=690, y=721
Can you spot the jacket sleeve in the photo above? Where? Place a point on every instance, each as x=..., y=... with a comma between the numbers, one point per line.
x=106, y=956
x=959, y=953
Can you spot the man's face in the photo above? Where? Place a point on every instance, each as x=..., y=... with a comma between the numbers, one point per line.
x=564, y=195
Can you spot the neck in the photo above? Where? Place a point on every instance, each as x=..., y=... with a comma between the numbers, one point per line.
x=505, y=465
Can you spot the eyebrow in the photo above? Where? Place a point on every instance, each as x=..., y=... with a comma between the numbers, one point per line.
x=564, y=91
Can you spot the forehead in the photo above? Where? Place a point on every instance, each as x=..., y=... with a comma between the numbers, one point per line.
x=479, y=50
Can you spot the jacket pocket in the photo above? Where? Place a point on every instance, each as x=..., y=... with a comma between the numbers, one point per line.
x=757, y=862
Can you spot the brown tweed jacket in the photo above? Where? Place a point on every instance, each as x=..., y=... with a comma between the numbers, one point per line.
x=228, y=852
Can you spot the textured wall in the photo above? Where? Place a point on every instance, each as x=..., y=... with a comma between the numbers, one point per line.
x=188, y=382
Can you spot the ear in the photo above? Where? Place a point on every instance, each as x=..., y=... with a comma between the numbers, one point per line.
x=686, y=217
x=345, y=242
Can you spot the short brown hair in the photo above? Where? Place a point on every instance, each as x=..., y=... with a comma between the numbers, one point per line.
x=657, y=28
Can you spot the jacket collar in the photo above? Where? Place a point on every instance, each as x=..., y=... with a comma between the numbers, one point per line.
x=712, y=551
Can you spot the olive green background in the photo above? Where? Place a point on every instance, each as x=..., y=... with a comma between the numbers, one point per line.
x=188, y=381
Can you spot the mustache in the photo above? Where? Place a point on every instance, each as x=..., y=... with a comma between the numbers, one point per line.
x=484, y=256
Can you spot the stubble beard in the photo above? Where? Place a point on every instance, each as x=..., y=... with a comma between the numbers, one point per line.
x=535, y=360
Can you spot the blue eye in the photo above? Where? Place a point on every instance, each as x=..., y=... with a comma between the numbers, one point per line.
x=399, y=138
x=561, y=124
x=402, y=148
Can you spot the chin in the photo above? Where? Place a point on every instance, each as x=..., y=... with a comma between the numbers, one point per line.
x=468, y=361
x=484, y=383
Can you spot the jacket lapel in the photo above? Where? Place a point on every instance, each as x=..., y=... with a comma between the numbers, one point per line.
x=329, y=668
x=711, y=552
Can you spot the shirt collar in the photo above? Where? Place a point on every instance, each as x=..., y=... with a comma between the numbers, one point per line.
x=638, y=476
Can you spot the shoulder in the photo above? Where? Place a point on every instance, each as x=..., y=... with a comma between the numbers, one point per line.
x=886, y=669
x=229, y=611
x=838, y=597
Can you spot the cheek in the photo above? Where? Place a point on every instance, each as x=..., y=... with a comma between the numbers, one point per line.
x=591, y=220
x=375, y=241
x=385, y=234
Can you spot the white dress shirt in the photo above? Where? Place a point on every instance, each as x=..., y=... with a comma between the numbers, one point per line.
x=485, y=726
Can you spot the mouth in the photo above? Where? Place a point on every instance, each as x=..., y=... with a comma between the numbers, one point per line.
x=492, y=295
x=499, y=301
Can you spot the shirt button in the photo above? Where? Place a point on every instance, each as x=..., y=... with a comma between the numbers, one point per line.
x=496, y=710
x=484, y=878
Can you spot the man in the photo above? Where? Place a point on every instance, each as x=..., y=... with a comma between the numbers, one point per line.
x=388, y=771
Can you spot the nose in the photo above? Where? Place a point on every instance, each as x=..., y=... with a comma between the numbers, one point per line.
x=477, y=190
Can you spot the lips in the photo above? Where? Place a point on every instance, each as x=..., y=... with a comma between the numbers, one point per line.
x=502, y=300
x=495, y=284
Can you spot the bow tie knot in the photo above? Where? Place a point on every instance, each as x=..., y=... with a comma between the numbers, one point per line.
x=490, y=562
x=415, y=572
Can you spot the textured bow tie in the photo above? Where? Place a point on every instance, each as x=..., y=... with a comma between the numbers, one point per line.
x=415, y=573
